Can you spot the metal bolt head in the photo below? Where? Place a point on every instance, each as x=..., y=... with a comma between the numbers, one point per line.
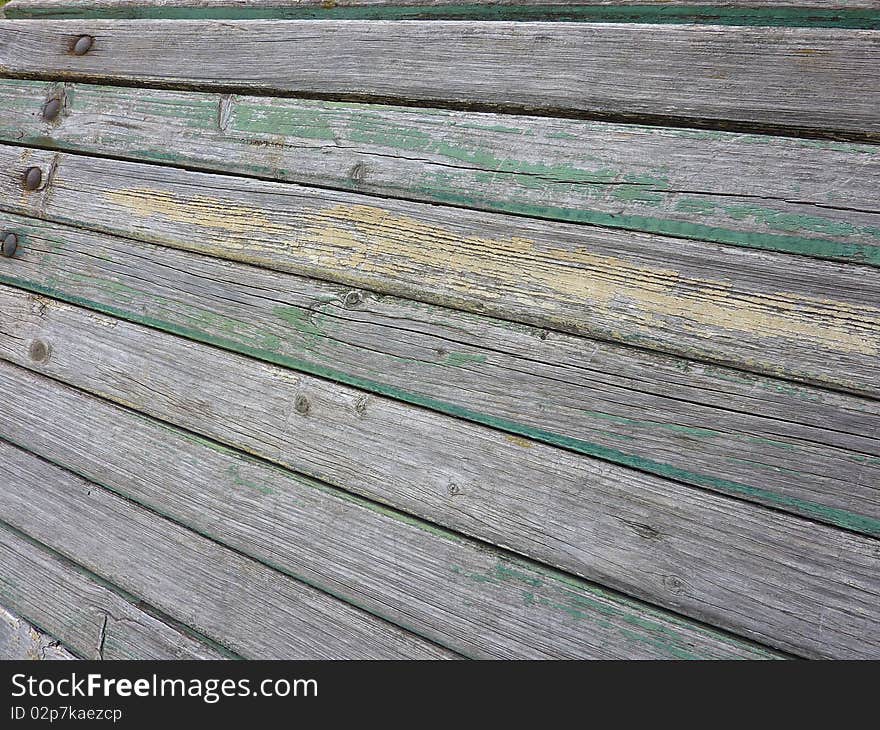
x=83, y=45
x=51, y=109
x=33, y=176
x=9, y=245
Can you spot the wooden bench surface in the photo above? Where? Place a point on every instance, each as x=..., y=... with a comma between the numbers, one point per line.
x=414, y=330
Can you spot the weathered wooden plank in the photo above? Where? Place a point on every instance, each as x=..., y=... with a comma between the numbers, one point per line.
x=763, y=574
x=801, y=449
x=464, y=595
x=20, y=640
x=255, y=611
x=799, y=196
x=815, y=321
x=814, y=13
x=821, y=80
x=86, y=614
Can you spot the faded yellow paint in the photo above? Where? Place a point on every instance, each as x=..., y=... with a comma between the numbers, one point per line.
x=369, y=245
x=379, y=242
x=196, y=210
x=518, y=441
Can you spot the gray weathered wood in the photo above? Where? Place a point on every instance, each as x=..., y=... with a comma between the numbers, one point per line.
x=20, y=640
x=240, y=603
x=815, y=321
x=802, y=449
x=799, y=196
x=83, y=612
x=782, y=580
x=461, y=594
x=821, y=80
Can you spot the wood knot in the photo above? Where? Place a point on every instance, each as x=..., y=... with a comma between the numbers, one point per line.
x=353, y=299
x=453, y=490
x=674, y=584
x=39, y=351
x=301, y=405
x=358, y=173
x=641, y=529
x=543, y=334
x=361, y=405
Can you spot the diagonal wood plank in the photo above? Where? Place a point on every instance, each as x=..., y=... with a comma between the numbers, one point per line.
x=241, y=604
x=815, y=321
x=478, y=601
x=817, y=80
x=759, y=573
x=801, y=449
x=798, y=196
x=82, y=611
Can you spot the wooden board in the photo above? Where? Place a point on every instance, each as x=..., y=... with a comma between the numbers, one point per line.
x=815, y=321
x=801, y=449
x=481, y=602
x=89, y=616
x=757, y=572
x=817, y=80
x=822, y=13
x=239, y=603
x=20, y=640
x=811, y=197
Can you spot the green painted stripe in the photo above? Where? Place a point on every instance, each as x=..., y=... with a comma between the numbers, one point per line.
x=824, y=248
x=822, y=513
x=704, y=14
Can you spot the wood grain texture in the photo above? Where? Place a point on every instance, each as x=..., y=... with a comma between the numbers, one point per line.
x=762, y=574
x=243, y=605
x=798, y=196
x=20, y=640
x=812, y=13
x=821, y=80
x=86, y=614
x=476, y=600
x=814, y=321
x=801, y=449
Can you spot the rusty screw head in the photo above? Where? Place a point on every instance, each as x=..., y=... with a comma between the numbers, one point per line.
x=82, y=45
x=51, y=109
x=33, y=176
x=9, y=245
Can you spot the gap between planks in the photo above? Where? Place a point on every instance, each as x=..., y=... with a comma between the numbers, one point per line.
x=483, y=612
x=709, y=427
x=801, y=319
x=792, y=78
x=489, y=501
x=601, y=174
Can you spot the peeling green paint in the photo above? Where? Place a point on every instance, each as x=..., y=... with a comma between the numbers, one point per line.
x=463, y=359
x=239, y=481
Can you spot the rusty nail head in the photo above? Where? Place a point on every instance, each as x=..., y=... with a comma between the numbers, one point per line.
x=9, y=245
x=33, y=176
x=51, y=109
x=83, y=45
